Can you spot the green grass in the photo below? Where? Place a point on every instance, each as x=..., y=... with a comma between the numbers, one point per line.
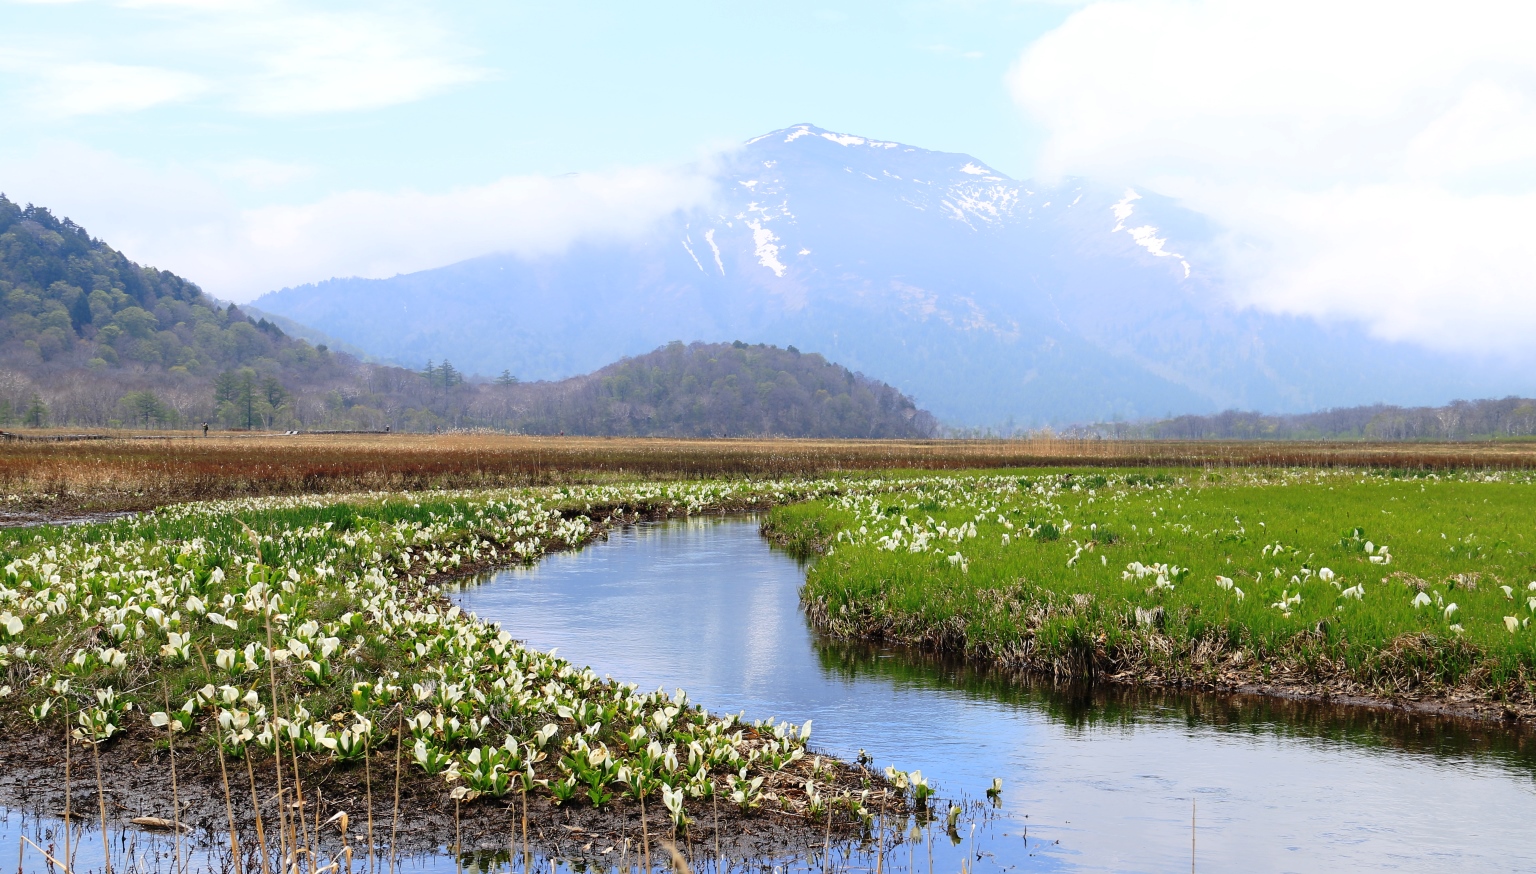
x=1062, y=594
x=100, y=624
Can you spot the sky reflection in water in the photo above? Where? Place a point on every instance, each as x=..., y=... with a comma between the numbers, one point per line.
x=707, y=605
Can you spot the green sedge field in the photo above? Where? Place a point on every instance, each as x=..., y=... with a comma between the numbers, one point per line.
x=1380, y=584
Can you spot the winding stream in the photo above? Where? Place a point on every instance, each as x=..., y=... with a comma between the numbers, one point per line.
x=1102, y=781
x=1094, y=779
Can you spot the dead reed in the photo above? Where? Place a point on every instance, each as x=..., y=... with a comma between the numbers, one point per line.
x=62, y=478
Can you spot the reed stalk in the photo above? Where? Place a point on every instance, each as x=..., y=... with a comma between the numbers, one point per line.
x=229, y=806
x=645, y=835
x=69, y=857
x=261, y=836
x=285, y=848
x=298, y=797
x=714, y=798
x=170, y=736
x=394, y=824
x=229, y=809
x=826, y=847
x=880, y=852
x=368, y=790
x=101, y=800
x=45, y=853
x=527, y=858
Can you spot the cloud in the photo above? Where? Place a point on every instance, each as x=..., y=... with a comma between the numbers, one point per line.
x=312, y=63
x=178, y=219
x=267, y=57
x=1371, y=161
x=93, y=87
x=262, y=173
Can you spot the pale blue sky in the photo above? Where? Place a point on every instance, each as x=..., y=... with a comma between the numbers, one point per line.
x=506, y=88
x=1372, y=160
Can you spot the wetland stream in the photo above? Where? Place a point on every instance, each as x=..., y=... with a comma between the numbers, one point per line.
x=1094, y=779
x=1102, y=779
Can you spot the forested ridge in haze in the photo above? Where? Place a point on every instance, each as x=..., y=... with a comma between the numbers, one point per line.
x=1458, y=420
x=89, y=338
x=719, y=390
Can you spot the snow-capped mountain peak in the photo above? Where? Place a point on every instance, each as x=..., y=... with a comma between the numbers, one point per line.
x=984, y=297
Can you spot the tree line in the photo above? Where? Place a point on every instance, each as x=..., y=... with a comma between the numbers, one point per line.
x=1489, y=419
x=88, y=338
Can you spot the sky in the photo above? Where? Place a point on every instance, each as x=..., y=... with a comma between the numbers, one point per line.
x=1373, y=161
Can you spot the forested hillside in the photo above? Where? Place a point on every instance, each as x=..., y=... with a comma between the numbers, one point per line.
x=718, y=390
x=1459, y=420
x=90, y=339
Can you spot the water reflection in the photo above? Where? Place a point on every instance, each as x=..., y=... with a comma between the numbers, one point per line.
x=1081, y=706
x=1102, y=779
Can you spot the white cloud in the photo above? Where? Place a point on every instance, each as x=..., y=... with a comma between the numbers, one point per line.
x=178, y=219
x=313, y=63
x=263, y=173
x=269, y=57
x=1373, y=160
x=93, y=87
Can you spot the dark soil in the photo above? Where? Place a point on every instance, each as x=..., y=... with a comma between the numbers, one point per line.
x=136, y=782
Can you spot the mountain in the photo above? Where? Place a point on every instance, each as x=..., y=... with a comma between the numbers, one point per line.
x=87, y=337
x=716, y=390
x=988, y=299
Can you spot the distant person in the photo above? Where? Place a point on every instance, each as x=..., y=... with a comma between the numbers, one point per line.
x=205, y=429
x=386, y=429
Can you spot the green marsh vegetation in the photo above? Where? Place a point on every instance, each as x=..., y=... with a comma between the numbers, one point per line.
x=274, y=643
x=290, y=639
x=1320, y=581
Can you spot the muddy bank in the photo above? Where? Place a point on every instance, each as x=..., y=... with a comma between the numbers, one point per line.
x=136, y=782
x=1224, y=678
x=1218, y=671
x=24, y=519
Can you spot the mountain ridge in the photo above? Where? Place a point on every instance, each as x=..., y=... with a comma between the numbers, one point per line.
x=987, y=299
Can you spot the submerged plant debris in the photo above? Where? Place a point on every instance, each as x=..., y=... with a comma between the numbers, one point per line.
x=297, y=643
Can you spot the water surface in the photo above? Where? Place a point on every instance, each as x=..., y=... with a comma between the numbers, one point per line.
x=1095, y=780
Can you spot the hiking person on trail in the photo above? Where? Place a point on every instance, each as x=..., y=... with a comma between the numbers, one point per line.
x=205, y=429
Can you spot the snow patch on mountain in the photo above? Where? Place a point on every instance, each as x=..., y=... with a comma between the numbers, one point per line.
x=989, y=203
x=693, y=256
x=767, y=250
x=1145, y=235
x=843, y=139
x=709, y=237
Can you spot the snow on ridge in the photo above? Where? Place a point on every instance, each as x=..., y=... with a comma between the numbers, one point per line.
x=709, y=237
x=693, y=256
x=843, y=139
x=767, y=252
x=1123, y=209
x=748, y=183
x=974, y=170
x=990, y=203
x=804, y=130
x=1146, y=235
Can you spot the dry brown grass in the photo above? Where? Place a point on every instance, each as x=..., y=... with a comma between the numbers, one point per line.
x=137, y=471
